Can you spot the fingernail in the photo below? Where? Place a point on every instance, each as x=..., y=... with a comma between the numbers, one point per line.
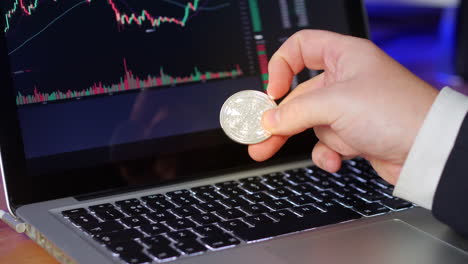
x=270, y=120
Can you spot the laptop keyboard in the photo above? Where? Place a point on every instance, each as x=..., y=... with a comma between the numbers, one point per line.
x=164, y=227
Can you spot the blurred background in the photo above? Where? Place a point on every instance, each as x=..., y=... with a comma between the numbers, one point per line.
x=430, y=37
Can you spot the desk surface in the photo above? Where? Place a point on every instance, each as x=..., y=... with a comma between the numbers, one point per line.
x=17, y=248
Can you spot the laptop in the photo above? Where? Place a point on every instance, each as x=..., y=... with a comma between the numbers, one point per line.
x=111, y=148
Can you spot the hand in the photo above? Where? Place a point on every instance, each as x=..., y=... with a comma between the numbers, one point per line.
x=364, y=103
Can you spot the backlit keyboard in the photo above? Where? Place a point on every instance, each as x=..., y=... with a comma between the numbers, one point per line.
x=164, y=227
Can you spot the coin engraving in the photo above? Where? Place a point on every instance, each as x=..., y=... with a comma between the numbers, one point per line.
x=241, y=116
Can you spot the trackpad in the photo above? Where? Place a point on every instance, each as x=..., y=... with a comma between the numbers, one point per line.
x=385, y=242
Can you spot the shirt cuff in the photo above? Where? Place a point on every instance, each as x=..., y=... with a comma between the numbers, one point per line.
x=426, y=160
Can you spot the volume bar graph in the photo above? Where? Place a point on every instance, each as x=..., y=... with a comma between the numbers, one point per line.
x=255, y=15
x=263, y=62
x=127, y=83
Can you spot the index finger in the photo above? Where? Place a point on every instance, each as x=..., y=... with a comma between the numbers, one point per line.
x=314, y=49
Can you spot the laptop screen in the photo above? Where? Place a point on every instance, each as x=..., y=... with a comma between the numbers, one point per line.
x=106, y=81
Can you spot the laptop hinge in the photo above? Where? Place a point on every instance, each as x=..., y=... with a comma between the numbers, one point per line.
x=13, y=222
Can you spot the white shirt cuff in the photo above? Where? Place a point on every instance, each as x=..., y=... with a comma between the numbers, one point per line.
x=426, y=160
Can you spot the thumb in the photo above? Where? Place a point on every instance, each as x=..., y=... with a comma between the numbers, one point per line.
x=315, y=108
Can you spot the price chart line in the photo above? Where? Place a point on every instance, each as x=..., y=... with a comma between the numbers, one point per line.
x=126, y=83
x=121, y=17
x=205, y=8
x=47, y=26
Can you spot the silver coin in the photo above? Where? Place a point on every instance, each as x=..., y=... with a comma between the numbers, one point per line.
x=241, y=116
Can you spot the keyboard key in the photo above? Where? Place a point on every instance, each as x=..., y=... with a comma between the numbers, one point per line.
x=135, y=258
x=209, y=196
x=370, y=209
x=185, y=200
x=227, y=184
x=297, y=171
x=396, y=203
x=205, y=219
x=161, y=216
x=203, y=188
x=208, y=230
x=231, y=191
x=381, y=182
x=278, y=204
x=135, y=221
x=160, y=204
x=155, y=241
x=258, y=219
x=117, y=236
x=254, y=187
x=136, y=209
x=305, y=210
x=125, y=247
x=230, y=213
x=180, y=224
x=346, y=191
x=220, y=241
x=210, y=207
x=372, y=196
x=100, y=207
x=77, y=211
x=254, y=209
x=250, y=179
x=154, y=229
x=185, y=211
x=153, y=197
x=298, y=177
x=83, y=219
x=280, y=193
x=163, y=252
x=362, y=188
x=274, y=176
x=233, y=225
x=282, y=215
x=388, y=191
x=190, y=246
x=103, y=227
x=327, y=184
x=277, y=183
x=325, y=195
x=303, y=188
x=178, y=193
x=295, y=224
x=301, y=199
x=128, y=202
x=181, y=235
x=233, y=202
x=328, y=206
x=257, y=197
x=349, y=201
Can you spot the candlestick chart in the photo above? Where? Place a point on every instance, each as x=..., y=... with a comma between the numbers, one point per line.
x=61, y=50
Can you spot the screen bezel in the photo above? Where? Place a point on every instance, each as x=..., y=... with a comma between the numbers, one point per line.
x=20, y=189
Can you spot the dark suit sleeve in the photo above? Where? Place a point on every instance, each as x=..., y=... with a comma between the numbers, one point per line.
x=450, y=203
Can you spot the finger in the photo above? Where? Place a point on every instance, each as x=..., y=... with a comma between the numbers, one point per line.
x=266, y=149
x=307, y=86
x=314, y=49
x=326, y=158
x=329, y=137
x=314, y=108
x=387, y=170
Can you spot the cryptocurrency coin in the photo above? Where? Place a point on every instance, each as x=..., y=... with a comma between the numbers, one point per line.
x=241, y=116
